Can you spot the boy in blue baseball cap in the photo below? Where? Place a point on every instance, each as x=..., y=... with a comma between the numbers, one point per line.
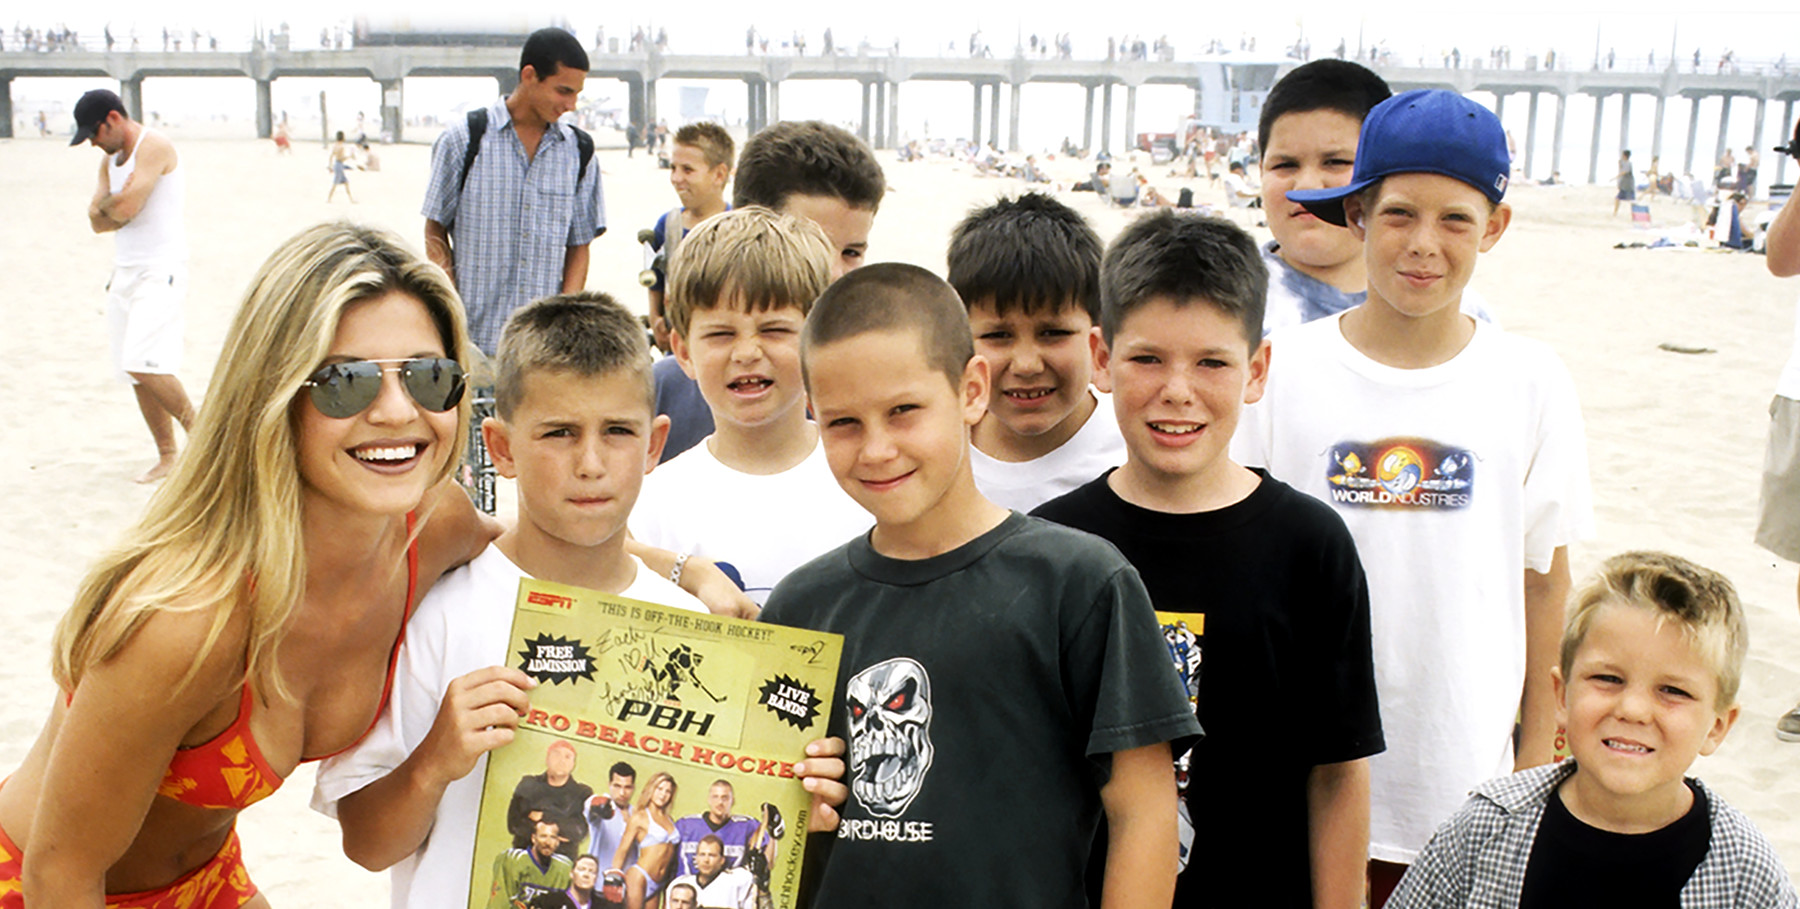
x=1455, y=454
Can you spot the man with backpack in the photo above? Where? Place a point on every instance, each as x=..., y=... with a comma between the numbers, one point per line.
x=514, y=197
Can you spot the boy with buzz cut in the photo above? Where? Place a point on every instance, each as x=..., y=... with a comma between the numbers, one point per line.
x=1279, y=809
x=575, y=429
x=1307, y=131
x=1647, y=682
x=819, y=172
x=1028, y=269
x=755, y=496
x=999, y=672
x=1454, y=453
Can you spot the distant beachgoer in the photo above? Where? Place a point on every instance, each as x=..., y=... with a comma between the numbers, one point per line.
x=283, y=144
x=140, y=199
x=340, y=168
x=1627, y=182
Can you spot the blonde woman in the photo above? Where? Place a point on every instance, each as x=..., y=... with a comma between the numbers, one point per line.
x=651, y=831
x=247, y=623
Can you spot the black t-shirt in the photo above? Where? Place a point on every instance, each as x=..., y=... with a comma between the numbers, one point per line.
x=982, y=693
x=565, y=806
x=1286, y=680
x=1573, y=864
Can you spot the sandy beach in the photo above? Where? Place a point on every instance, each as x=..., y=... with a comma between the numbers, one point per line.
x=1675, y=440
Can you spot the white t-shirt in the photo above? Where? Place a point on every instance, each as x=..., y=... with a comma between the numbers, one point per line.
x=1238, y=191
x=462, y=625
x=1023, y=485
x=734, y=888
x=1453, y=480
x=1788, y=386
x=761, y=527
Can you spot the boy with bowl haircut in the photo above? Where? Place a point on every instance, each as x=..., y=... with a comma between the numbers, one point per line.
x=1452, y=450
x=1650, y=664
x=756, y=496
x=575, y=429
x=997, y=669
x=1308, y=131
x=1284, y=620
x=1028, y=269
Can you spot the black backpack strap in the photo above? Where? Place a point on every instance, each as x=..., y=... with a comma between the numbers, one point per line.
x=477, y=127
x=584, y=144
x=478, y=121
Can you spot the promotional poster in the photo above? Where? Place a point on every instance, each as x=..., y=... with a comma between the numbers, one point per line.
x=656, y=765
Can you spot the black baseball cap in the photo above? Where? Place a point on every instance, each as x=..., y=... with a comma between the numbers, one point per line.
x=91, y=111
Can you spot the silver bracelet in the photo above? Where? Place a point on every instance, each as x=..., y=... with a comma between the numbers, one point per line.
x=675, y=573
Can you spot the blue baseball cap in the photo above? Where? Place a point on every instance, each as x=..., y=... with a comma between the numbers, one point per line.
x=1429, y=131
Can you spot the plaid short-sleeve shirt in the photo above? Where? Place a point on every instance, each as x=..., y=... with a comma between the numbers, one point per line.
x=1477, y=859
x=513, y=221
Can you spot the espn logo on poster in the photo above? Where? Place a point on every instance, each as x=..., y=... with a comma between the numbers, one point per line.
x=541, y=598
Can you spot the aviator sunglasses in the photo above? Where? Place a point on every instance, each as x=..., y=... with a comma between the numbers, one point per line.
x=343, y=390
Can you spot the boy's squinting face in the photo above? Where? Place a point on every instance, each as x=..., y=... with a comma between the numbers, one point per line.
x=1421, y=237
x=895, y=429
x=694, y=180
x=747, y=364
x=1639, y=705
x=1313, y=149
x=579, y=447
x=1179, y=378
x=1040, y=363
x=847, y=228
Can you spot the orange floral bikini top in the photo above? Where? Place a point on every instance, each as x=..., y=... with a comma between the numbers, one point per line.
x=229, y=770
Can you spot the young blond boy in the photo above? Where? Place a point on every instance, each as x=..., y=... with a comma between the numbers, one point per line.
x=756, y=496
x=1029, y=270
x=1278, y=809
x=576, y=431
x=699, y=168
x=1308, y=131
x=1002, y=680
x=1452, y=450
x=1647, y=681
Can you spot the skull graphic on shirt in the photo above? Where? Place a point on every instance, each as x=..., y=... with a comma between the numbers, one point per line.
x=889, y=704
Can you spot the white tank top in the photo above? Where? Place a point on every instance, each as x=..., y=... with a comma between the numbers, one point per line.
x=1788, y=386
x=156, y=236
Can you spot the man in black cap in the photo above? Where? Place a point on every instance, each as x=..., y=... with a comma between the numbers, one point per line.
x=140, y=199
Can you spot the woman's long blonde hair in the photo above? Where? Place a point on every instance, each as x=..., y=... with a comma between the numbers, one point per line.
x=224, y=531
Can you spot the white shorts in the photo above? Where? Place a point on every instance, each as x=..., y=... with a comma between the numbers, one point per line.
x=143, y=317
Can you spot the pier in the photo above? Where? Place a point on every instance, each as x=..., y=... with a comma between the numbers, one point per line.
x=1228, y=88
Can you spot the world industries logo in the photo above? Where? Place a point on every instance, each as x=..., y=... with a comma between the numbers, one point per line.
x=1401, y=473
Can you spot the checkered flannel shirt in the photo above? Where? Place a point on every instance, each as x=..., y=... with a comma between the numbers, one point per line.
x=1477, y=859
x=515, y=218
